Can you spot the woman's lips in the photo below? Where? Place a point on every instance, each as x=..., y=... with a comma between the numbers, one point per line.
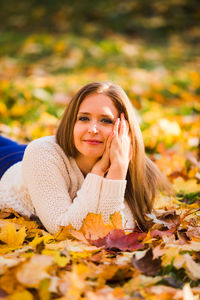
x=93, y=142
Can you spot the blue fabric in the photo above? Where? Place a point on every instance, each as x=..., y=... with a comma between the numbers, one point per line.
x=10, y=153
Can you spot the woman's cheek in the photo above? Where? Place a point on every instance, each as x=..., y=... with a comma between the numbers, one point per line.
x=109, y=132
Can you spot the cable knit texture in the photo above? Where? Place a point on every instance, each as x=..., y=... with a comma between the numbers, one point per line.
x=50, y=184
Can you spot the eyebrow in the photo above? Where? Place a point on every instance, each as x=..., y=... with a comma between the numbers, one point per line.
x=102, y=115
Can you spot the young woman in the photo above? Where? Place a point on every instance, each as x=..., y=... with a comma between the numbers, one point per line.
x=95, y=163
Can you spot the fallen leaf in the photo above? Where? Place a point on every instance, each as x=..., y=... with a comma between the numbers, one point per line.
x=21, y=295
x=186, y=261
x=189, y=186
x=6, y=263
x=10, y=236
x=94, y=226
x=118, y=239
x=147, y=265
x=187, y=292
x=33, y=271
x=43, y=291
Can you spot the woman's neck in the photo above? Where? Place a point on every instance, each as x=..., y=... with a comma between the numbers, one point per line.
x=84, y=164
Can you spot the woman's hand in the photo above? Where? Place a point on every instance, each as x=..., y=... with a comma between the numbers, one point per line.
x=119, y=150
x=103, y=164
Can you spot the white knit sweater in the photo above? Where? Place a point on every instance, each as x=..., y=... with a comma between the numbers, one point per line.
x=50, y=185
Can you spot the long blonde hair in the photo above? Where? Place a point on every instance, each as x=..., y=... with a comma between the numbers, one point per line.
x=143, y=177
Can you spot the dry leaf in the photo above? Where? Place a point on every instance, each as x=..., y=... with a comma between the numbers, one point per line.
x=147, y=265
x=94, y=226
x=189, y=186
x=118, y=239
x=33, y=271
x=10, y=236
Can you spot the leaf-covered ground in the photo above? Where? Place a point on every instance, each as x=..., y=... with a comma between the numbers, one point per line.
x=101, y=261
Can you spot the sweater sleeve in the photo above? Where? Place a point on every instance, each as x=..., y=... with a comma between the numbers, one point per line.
x=46, y=183
x=112, y=198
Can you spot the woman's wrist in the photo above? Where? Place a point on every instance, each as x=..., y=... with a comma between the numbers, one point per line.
x=97, y=171
x=117, y=172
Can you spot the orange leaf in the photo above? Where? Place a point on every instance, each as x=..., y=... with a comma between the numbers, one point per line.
x=116, y=220
x=63, y=233
x=94, y=227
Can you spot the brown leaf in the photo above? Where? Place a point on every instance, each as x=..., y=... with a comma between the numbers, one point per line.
x=183, y=236
x=170, y=217
x=147, y=265
x=97, y=257
x=160, y=233
x=5, y=214
x=158, y=220
x=193, y=232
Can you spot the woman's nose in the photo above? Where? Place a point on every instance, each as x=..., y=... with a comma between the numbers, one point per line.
x=93, y=129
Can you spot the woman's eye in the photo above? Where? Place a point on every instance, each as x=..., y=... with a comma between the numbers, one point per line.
x=83, y=118
x=107, y=121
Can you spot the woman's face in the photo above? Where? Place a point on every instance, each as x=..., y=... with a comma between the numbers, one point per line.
x=95, y=119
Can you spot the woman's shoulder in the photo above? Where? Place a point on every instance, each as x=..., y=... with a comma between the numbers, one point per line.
x=44, y=154
x=45, y=147
x=46, y=142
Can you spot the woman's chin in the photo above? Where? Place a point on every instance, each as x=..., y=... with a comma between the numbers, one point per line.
x=94, y=156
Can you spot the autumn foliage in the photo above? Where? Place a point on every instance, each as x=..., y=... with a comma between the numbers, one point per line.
x=102, y=261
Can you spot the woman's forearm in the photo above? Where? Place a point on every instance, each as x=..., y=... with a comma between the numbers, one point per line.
x=117, y=171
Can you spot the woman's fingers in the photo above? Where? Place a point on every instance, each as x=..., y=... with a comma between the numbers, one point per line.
x=116, y=127
x=124, y=127
x=106, y=154
x=108, y=143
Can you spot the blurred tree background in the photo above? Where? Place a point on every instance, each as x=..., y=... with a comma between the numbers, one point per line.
x=158, y=19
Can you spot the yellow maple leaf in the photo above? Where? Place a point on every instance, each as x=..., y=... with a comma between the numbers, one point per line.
x=38, y=239
x=21, y=295
x=44, y=292
x=58, y=258
x=24, y=222
x=11, y=236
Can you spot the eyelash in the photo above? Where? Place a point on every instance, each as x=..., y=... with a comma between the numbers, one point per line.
x=104, y=120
